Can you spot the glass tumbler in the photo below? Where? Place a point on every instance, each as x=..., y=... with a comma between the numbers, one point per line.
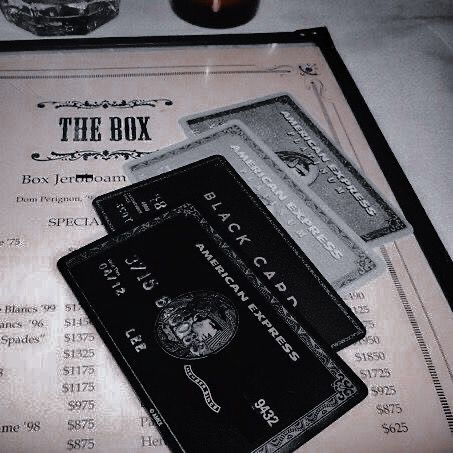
x=59, y=17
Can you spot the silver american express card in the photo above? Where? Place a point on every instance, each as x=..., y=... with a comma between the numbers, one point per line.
x=341, y=257
x=311, y=159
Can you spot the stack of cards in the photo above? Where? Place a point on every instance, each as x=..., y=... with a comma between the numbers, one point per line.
x=216, y=290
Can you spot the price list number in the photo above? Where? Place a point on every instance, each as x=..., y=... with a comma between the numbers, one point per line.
x=389, y=408
x=78, y=387
x=395, y=428
x=79, y=378
x=375, y=373
x=72, y=307
x=80, y=337
x=382, y=390
x=11, y=242
x=370, y=339
x=81, y=405
x=369, y=324
x=81, y=424
x=360, y=309
x=80, y=444
x=370, y=356
x=79, y=353
x=79, y=370
x=83, y=321
x=376, y=370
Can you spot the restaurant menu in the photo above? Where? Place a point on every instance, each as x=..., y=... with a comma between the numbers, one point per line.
x=69, y=123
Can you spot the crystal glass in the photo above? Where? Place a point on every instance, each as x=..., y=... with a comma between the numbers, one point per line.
x=59, y=17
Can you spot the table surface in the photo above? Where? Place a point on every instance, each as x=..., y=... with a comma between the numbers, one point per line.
x=399, y=53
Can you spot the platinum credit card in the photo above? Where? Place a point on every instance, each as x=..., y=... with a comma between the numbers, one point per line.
x=313, y=160
x=339, y=254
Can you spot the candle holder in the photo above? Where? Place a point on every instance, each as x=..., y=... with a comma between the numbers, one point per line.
x=215, y=13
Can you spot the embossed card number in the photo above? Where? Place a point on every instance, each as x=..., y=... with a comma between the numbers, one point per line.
x=267, y=413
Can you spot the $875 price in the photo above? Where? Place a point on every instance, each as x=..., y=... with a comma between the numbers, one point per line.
x=389, y=408
x=80, y=444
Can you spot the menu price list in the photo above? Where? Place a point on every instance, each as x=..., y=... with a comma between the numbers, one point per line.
x=72, y=396
x=78, y=375
x=81, y=399
x=373, y=364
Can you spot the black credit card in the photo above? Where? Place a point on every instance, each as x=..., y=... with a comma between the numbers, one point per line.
x=226, y=201
x=216, y=359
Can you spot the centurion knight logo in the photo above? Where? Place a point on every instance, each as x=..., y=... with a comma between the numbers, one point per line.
x=301, y=163
x=196, y=324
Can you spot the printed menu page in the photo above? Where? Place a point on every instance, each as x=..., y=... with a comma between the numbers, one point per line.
x=69, y=122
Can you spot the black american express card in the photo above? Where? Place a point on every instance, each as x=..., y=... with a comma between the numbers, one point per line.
x=216, y=189
x=215, y=358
